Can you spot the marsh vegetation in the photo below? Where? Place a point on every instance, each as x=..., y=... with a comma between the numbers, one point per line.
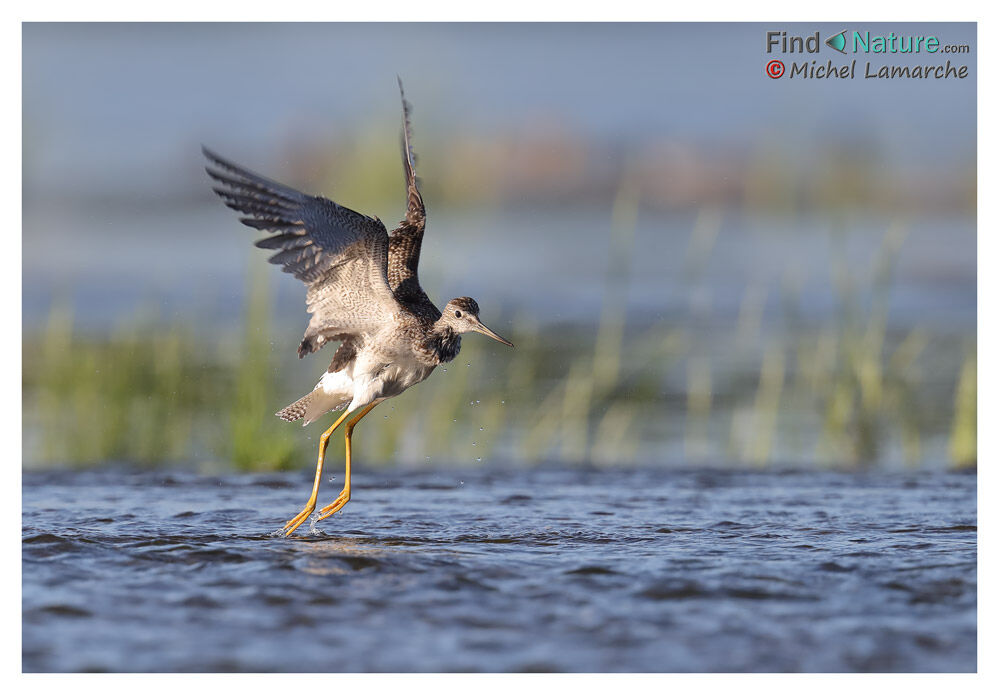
x=773, y=387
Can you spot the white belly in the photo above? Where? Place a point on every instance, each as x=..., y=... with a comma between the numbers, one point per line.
x=374, y=380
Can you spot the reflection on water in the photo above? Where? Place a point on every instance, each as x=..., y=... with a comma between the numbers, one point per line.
x=328, y=556
x=502, y=570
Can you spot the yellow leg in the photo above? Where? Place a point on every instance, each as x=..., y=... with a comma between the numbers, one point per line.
x=344, y=496
x=297, y=520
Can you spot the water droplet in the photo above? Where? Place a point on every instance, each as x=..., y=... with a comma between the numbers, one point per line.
x=502, y=402
x=468, y=364
x=481, y=429
x=461, y=483
x=474, y=444
x=479, y=459
x=444, y=368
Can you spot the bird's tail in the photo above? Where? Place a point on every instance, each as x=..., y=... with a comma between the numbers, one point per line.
x=311, y=407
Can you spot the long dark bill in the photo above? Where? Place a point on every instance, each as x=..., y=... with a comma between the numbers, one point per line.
x=485, y=330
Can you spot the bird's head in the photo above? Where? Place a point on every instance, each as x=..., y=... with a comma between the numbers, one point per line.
x=462, y=316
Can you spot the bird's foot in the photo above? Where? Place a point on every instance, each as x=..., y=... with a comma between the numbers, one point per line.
x=298, y=519
x=335, y=506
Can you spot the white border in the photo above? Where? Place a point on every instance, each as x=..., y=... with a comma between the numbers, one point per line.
x=518, y=10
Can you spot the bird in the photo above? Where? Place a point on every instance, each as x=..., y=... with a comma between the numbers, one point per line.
x=363, y=290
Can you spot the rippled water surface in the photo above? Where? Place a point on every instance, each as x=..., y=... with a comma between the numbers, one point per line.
x=495, y=570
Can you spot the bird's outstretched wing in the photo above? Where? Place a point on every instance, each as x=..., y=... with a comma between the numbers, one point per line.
x=406, y=239
x=341, y=255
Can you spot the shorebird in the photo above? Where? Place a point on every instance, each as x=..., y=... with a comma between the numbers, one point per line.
x=363, y=290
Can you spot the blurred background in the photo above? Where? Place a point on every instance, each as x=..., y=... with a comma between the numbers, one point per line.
x=699, y=265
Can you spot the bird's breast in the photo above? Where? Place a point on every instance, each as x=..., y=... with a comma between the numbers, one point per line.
x=441, y=347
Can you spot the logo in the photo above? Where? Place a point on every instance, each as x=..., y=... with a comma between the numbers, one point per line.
x=837, y=42
x=892, y=54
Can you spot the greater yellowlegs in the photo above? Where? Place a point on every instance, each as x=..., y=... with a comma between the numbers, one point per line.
x=363, y=290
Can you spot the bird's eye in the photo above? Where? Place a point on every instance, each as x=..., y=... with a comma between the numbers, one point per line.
x=457, y=314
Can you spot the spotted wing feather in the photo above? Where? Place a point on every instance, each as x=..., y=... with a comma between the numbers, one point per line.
x=341, y=255
x=406, y=239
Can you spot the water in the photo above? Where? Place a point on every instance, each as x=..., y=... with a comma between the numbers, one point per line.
x=106, y=277
x=502, y=570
